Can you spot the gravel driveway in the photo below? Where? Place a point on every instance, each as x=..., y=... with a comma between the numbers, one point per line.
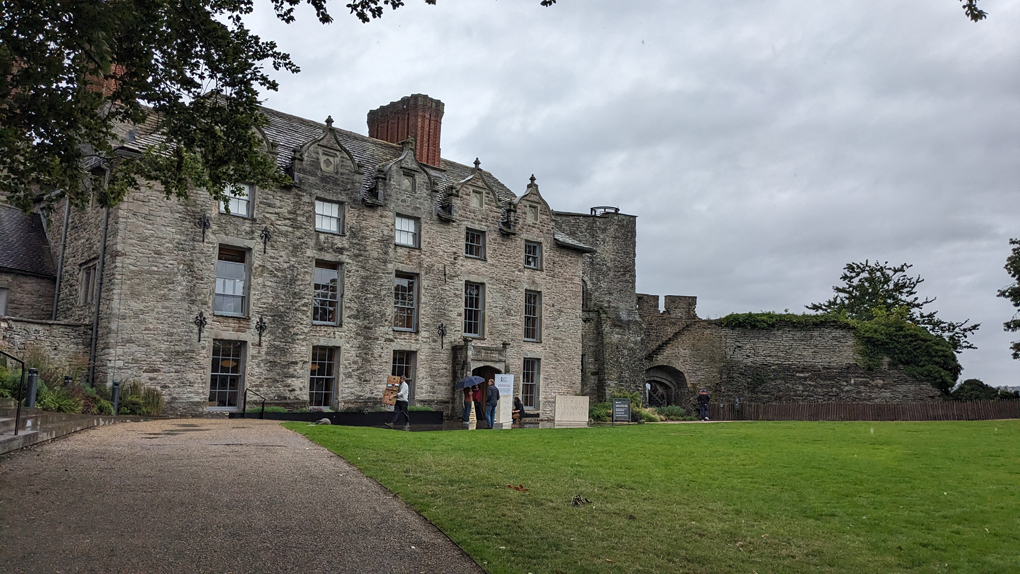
x=191, y=495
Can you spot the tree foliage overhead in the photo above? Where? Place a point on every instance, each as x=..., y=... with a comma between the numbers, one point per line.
x=1012, y=293
x=872, y=287
x=76, y=74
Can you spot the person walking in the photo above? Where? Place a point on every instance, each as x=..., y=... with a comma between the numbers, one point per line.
x=476, y=394
x=401, y=407
x=703, y=399
x=491, y=400
x=466, y=415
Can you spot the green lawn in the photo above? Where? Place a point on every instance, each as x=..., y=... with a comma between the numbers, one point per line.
x=731, y=497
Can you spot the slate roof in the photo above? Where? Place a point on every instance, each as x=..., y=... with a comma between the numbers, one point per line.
x=290, y=133
x=23, y=244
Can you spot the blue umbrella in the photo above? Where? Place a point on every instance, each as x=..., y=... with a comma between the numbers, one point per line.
x=470, y=382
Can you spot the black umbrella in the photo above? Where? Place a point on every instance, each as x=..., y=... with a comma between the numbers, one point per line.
x=470, y=382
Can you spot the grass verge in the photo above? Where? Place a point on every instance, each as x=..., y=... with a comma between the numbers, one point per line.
x=743, y=497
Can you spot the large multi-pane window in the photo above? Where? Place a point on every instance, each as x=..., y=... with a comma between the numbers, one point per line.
x=322, y=380
x=231, y=282
x=474, y=309
x=532, y=255
x=532, y=316
x=403, y=366
x=238, y=201
x=227, y=376
x=87, y=284
x=405, y=302
x=329, y=216
x=327, y=294
x=474, y=243
x=407, y=231
x=529, y=383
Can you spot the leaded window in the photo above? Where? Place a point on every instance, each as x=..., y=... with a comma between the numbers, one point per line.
x=532, y=316
x=231, y=282
x=87, y=284
x=474, y=243
x=227, y=376
x=329, y=216
x=405, y=302
x=529, y=383
x=404, y=366
x=237, y=201
x=407, y=231
x=474, y=309
x=532, y=255
x=326, y=297
x=322, y=380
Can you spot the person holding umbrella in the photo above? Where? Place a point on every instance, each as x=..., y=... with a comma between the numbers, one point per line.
x=469, y=384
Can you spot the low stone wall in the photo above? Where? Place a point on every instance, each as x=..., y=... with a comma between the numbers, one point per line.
x=816, y=364
x=62, y=342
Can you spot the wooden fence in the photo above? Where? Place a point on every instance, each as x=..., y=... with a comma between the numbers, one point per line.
x=929, y=411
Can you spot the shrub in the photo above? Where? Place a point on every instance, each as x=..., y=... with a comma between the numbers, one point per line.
x=257, y=408
x=420, y=409
x=600, y=412
x=672, y=413
x=649, y=415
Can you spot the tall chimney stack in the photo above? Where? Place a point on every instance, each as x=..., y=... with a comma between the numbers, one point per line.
x=417, y=116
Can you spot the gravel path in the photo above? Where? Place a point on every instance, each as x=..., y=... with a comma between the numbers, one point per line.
x=203, y=495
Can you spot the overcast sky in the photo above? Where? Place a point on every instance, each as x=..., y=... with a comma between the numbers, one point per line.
x=762, y=144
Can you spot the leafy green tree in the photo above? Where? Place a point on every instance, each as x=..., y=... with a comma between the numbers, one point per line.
x=872, y=286
x=1013, y=293
x=976, y=390
x=81, y=78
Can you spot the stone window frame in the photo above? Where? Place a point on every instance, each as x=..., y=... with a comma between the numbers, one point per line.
x=534, y=258
x=322, y=217
x=222, y=288
x=4, y=292
x=88, y=282
x=237, y=351
x=401, y=232
x=402, y=309
x=474, y=243
x=532, y=209
x=336, y=296
x=405, y=177
x=405, y=364
x=323, y=385
x=234, y=198
x=531, y=383
x=474, y=315
x=533, y=320
x=478, y=194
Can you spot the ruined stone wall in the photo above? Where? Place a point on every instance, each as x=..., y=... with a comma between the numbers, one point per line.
x=612, y=327
x=63, y=343
x=161, y=275
x=785, y=364
x=28, y=297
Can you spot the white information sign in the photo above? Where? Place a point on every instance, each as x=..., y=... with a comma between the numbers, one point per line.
x=504, y=410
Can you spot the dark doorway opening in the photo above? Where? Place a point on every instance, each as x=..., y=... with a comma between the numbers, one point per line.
x=666, y=386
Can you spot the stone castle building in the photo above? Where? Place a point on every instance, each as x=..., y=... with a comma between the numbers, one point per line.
x=381, y=259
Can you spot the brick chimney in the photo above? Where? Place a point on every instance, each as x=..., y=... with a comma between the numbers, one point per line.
x=417, y=116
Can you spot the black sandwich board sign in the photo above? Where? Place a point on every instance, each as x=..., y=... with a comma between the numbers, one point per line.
x=621, y=410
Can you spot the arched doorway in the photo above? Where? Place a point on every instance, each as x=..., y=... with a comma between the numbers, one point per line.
x=665, y=386
x=486, y=372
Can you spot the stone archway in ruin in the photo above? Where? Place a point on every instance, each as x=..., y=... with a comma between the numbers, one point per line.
x=666, y=386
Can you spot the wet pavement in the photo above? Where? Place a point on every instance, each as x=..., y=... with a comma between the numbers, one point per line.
x=191, y=495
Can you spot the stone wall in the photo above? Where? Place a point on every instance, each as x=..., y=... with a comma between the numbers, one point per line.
x=612, y=326
x=28, y=297
x=800, y=365
x=63, y=343
x=160, y=275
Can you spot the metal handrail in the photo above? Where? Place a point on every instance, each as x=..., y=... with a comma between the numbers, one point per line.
x=17, y=417
x=244, y=404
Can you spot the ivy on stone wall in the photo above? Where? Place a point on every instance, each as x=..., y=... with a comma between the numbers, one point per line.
x=923, y=356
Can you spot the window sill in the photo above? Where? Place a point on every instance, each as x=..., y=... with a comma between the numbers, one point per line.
x=533, y=268
x=223, y=409
x=475, y=257
x=407, y=246
x=399, y=330
x=329, y=232
x=230, y=315
x=532, y=340
x=325, y=324
x=237, y=215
